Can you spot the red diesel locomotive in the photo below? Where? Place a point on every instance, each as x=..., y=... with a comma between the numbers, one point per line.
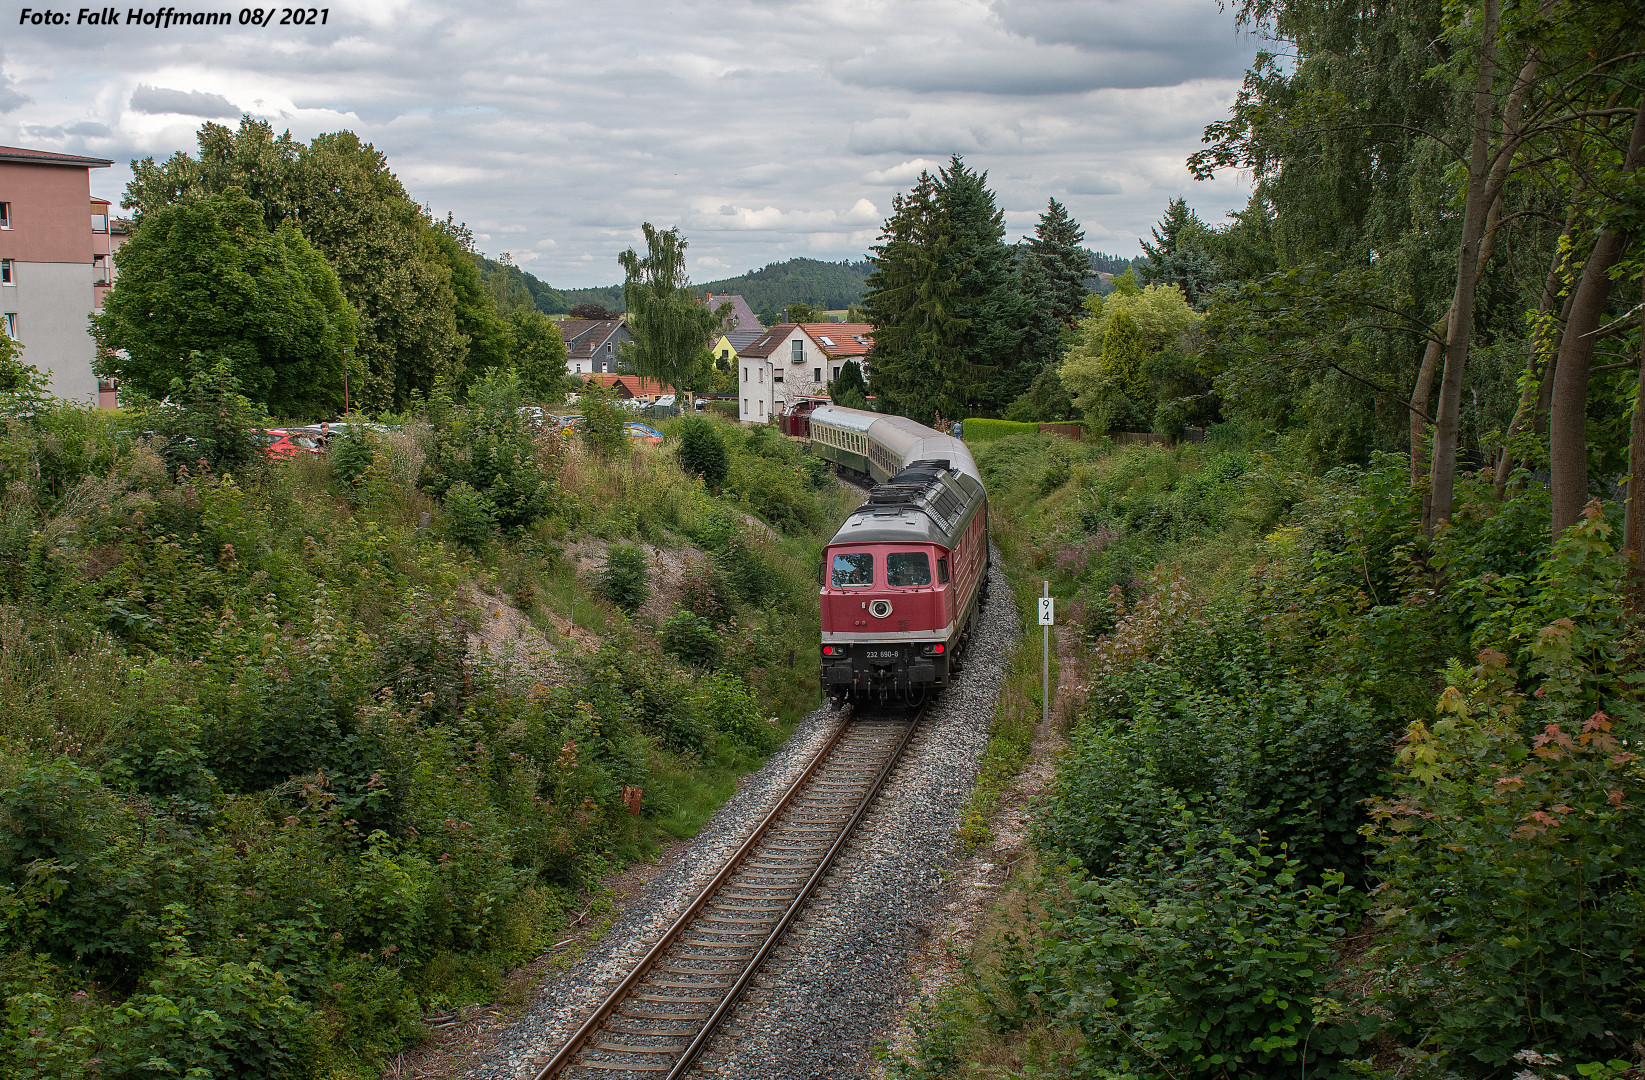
x=903, y=578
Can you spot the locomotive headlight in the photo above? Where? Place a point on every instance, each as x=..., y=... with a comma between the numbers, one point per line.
x=828, y=650
x=880, y=608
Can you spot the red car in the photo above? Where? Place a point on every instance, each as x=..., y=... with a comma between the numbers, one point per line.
x=277, y=444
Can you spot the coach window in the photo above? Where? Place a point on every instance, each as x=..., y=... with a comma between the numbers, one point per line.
x=906, y=569
x=853, y=571
x=942, y=571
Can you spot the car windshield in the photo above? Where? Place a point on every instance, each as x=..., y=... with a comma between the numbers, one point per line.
x=853, y=570
x=906, y=568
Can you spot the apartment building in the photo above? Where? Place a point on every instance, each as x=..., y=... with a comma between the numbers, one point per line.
x=56, y=263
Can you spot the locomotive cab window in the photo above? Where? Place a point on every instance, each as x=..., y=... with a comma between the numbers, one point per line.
x=942, y=571
x=851, y=571
x=906, y=569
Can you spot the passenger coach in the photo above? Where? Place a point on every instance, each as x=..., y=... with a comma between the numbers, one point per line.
x=903, y=578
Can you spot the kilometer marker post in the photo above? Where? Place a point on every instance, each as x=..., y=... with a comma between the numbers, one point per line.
x=1047, y=613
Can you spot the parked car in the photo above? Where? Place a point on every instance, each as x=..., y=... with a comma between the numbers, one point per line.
x=567, y=423
x=533, y=415
x=277, y=444
x=644, y=433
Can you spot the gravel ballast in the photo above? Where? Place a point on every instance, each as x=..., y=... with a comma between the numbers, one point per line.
x=838, y=979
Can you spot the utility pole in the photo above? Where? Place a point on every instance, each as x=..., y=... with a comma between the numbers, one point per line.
x=1047, y=613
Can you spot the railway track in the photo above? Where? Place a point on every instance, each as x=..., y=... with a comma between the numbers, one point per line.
x=662, y=1016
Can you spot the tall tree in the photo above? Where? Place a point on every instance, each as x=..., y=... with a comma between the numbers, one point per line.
x=341, y=195
x=1180, y=254
x=206, y=276
x=1052, y=269
x=917, y=337
x=944, y=299
x=671, y=328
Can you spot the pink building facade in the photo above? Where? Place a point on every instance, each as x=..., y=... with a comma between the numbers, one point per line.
x=57, y=247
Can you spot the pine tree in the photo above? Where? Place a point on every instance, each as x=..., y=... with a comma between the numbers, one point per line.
x=915, y=334
x=1056, y=251
x=1052, y=271
x=1180, y=255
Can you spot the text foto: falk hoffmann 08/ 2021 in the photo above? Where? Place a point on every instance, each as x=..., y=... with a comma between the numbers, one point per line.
x=165, y=18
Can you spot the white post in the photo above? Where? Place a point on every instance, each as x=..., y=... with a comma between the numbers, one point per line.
x=1046, y=608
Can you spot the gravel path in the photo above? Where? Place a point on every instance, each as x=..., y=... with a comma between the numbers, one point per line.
x=838, y=978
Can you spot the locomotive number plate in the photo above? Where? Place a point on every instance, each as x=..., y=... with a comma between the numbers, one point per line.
x=882, y=654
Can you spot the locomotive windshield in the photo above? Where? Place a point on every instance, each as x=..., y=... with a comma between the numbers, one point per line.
x=852, y=570
x=907, y=568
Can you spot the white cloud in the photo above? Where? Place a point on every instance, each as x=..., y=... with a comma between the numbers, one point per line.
x=574, y=123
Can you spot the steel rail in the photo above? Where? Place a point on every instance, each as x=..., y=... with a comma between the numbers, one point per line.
x=730, y=1000
x=580, y=1039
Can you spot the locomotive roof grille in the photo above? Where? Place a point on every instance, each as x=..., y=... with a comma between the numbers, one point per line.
x=919, y=486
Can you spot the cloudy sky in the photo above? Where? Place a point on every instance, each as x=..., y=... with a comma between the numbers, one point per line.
x=765, y=129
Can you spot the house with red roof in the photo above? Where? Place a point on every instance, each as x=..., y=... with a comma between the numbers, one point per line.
x=631, y=386
x=793, y=362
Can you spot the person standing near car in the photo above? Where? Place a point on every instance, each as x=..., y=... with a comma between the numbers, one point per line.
x=325, y=434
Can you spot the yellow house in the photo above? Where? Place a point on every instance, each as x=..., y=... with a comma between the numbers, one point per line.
x=727, y=346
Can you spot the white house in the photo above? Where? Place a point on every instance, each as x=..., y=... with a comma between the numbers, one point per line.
x=793, y=361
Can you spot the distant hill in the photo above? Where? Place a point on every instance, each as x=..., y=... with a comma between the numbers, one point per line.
x=827, y=285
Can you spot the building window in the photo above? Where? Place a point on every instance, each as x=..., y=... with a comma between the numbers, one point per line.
x=745, y=374
x=762, y=409
x=8, y=323
x=745, y=406
x=836, y=372
x=99, y=223
x=579, y=369
x=762, y=376
x=725, y=354
x=816, y=374
x=100, y=269
x=798, y=348
x=8, y=273
x=5, y=215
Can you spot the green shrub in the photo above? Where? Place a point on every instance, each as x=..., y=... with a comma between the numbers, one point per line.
x=625, y=579
x=351, y=455
x=730, y=709
x=603, y=423
x=979, y=429
x=702, y=451
x=1513, y=903
x=1214, y=962
x=691, y=638
x=205, y=419
x=468, y=516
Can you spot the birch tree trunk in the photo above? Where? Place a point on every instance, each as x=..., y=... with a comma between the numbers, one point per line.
x=1459, y=331
x=1633, y=528
x=1568, y=418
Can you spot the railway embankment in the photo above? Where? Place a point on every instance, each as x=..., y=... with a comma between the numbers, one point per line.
x=1323, y=808
x=299, y=759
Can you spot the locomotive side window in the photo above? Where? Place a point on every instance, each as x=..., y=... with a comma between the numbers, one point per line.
x=942, y=571
x=853, y=570
x=904, y=569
